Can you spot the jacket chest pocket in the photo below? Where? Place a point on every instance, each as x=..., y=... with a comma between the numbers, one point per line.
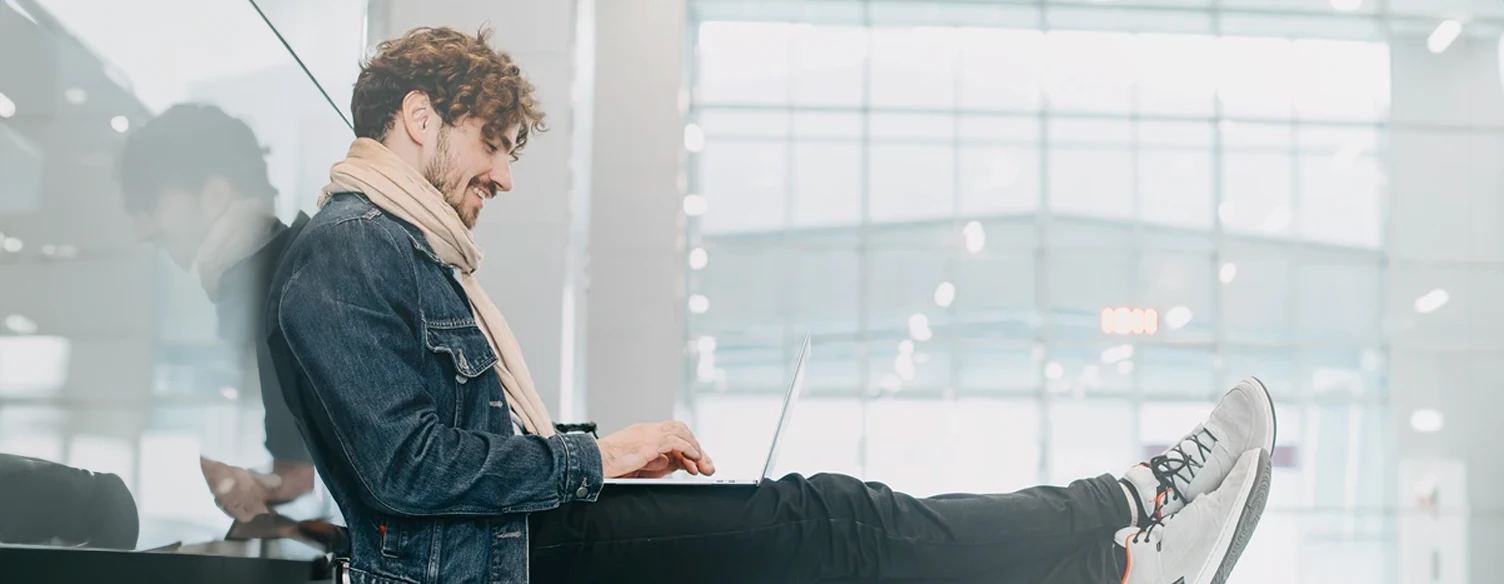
x=467, y=356
x=466, y=346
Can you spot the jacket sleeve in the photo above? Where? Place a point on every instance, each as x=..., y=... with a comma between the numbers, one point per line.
x=350, y=320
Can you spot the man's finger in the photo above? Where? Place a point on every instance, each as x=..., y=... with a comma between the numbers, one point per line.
x=688, y=465
x=677, y=444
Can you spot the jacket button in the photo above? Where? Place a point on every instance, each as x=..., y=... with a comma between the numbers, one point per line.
x=582, y=493
x=461, y=379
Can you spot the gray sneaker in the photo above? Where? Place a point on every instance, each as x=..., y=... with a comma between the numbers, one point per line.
x=1242, y=421
x=1201, y=543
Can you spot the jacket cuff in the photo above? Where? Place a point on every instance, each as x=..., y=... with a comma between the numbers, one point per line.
x=582, y=468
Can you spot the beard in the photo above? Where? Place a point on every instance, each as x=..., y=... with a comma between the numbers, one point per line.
x=440, y=173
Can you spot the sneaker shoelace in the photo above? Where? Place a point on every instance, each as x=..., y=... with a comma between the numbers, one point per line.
x=1169, y=468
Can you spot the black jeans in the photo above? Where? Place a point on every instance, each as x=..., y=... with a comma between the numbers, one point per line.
x=832, y=528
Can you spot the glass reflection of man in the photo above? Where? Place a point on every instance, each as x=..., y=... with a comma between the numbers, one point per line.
x=195, y=181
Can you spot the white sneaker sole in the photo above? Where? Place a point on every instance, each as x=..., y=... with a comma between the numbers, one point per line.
x=1233, y=538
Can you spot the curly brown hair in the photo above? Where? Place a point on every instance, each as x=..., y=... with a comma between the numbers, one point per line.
x=461, y=75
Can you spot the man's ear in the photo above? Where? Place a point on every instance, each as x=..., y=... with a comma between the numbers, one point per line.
x=417, y=118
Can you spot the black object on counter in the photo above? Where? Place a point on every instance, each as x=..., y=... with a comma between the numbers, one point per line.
x=48, y=565
x=45, y=502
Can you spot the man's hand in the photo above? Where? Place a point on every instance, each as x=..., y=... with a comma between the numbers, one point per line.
x=657, y=448
x=242, y=494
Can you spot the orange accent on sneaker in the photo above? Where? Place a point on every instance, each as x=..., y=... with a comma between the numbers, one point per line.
x=1128, y=559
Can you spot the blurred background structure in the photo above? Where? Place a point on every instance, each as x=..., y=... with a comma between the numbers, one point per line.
x=1032, y=240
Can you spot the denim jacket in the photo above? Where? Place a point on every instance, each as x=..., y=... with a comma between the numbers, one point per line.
x=392, y=385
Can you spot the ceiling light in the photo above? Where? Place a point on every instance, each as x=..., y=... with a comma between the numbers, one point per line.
x=705, y=344
x=1117, y=354
x=975, y=236
x=120, y=124
x=698, y=258
x=1427, y=421
x=20, y=325
x=903, y=365
x=1445, y=34
x=75, y=96
x=1228, y=272
x=1054, y=371
x=1178, y=317
x=699, y=304
x=12, y=244
x=695, y=205
x=229, y=393
x=919, y=328
x=1431, y=301
x=945, y=294
x=7, y=107
x=694, y=138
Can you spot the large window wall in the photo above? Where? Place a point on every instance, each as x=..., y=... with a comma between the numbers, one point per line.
x=949, y=195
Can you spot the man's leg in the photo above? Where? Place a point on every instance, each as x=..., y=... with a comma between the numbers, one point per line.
x=832, y=527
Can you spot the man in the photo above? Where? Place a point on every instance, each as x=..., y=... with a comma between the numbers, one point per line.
x=195, y=181
x=422, y=417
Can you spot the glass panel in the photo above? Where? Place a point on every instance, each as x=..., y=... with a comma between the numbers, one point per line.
x=828, y=65
x=744, y=184
x=1095, y=182
x=1089, y=71
x=123, y=153
x=827, y=183
x=999, y=180
x=1180, y=287
x=1089, y=438
x=1257, y=306
x=909, y=182
x=1257, y=195
x=914, y=66
x=743, y=62
x=1175, y=188
x=997, y=71
x=1176, y=74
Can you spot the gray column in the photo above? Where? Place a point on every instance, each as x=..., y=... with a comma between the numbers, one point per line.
x=635, y=309
x=1445, y=213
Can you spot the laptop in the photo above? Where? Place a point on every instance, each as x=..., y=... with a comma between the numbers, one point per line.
x=784, y=418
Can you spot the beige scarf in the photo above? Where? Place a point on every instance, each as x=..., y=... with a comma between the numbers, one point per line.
x=399, y=189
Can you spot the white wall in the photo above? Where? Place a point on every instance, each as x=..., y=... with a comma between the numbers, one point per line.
x=609, y=76
x=525, y=234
